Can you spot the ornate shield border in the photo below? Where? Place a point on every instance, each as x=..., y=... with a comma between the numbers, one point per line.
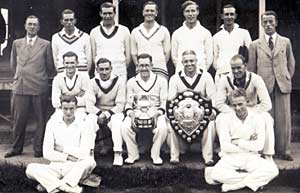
x=172, y=105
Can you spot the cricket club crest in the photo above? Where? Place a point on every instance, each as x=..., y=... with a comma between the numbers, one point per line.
x=188, y=114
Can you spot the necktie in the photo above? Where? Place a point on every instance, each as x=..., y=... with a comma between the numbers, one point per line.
x=271, y=44
x=30, y=43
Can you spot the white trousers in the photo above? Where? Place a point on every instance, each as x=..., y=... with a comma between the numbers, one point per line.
x=55, y=174
x=177, y=145
x=255, y=173
x=269, y=147
x=129, y=136
x=114, y=125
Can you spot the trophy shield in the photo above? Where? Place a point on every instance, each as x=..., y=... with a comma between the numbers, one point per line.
x=189, y=115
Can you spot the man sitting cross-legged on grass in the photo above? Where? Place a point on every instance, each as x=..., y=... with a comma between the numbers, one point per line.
x=68, y=147
x=242, y=136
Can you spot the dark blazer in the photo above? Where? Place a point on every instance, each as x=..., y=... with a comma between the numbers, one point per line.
x=278, y=64
x=31, y=66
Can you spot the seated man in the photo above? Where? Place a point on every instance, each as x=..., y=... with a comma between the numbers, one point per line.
x=258, y=98
x=242, y=136
x=68, y=148
x=70, y=82
x=105, y=100
x=199, y=81
x=146, y=101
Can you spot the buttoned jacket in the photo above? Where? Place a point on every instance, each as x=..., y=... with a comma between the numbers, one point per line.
x=31, y=66
x=276, y=65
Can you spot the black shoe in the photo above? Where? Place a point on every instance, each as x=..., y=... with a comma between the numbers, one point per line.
x=38, y=154
x=286, y=157
x=12, y=153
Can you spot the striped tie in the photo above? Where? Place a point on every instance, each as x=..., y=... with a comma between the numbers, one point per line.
x=271, y=44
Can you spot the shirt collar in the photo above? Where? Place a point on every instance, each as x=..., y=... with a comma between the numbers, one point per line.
x=185, y=76
x=33, y=39
x=112, y=76
x=235, y=26
x=60, y=120
x=75, y=33
x=65, y=74
x=113, y=26
x=151, y=79
x=274, y=36
x=231, y=76
x=143, y=29
x=198, y=24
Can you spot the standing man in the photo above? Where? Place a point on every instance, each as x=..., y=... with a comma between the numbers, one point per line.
x=192, y=36
x=242, y=136
x=105, y=101
x=199, y=81
x=70, y=82
x=71, y=38
x=31, y=60
x=150, y=37
x=228, y=41
x=68, y=147
x=258, y=99
x=271, y=57
x=146, y=102
x=112, y=41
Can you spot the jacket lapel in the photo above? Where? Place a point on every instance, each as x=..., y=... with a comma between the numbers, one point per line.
x=35, y=48
x=278, y=44
x=25, y=51
x=264, y=46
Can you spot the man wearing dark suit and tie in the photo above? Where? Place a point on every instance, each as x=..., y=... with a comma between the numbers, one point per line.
x=271, y=57
x=31, y=60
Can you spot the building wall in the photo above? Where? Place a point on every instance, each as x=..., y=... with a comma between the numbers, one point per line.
x=87, y=13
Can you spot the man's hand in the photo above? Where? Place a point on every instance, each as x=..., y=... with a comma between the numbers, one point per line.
x=102, y=120
x=155, y=118
x=72, y=158
x=235, y=141
x=253, y=137
x=58, y=148
x=132, y=117
x=213, y=115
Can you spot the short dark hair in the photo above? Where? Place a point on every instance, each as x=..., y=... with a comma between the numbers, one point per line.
x=70, y=54
x=150, y=3
x=239, y=92
x=102, y=60
x=67, y=11
x=32, y=17
x=187, y=3
x=144, y=55
x=68, y=99
x=270, y=12
x=186, y=52
x=238, y=57
x=107, y=5
x=228, y=6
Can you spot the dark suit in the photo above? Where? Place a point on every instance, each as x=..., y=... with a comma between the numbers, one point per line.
x=30, y=88
x=276, y=67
